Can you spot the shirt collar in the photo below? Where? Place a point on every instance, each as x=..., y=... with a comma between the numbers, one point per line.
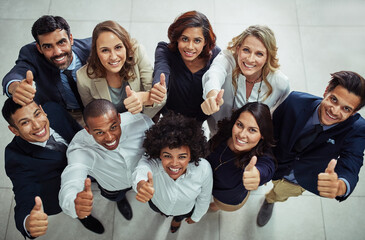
x=315, y=120
x=73, y=64
x=43, y=144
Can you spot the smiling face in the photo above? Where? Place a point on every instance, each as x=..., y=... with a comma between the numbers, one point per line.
x=251, y=57
x=191, y=43
x=245, y=133
x=175, y=161
x=31, y=123
x=111, y=52
x=56, y=48
x=105, y=129
x=337, y=106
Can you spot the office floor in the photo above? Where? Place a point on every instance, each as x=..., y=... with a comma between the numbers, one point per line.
x=315, y=38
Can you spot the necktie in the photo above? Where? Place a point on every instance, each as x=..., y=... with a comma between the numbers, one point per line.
x=54, y=145
x=307, y=138
x=73, y=86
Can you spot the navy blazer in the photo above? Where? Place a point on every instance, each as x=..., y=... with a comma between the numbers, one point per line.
x=35, y=170
x=345, y=142
x=46, y=75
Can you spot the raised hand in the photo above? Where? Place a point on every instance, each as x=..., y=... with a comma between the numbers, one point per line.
x=145, y=189
x=23, y=92
x=158, y=92
x=133, y=103
x=213, y=102
x=251, y=176
x=328, y=183
x=37, y=221
x=84, y=201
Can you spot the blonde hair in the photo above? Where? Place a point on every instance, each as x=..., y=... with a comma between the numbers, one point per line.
x=267, y=37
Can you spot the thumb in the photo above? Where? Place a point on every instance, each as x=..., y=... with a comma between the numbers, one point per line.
x=220, y=96
x=87, y=185
x=29, y=77
x=252, y=164
x=38, y=204
x=331, y=166
x=163, y=80
x=150, y=179
x=128, y=91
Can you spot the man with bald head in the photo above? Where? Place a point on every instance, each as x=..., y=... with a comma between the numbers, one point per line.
x=108, y=149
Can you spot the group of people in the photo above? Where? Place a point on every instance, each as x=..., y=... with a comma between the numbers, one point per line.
x=100, y=112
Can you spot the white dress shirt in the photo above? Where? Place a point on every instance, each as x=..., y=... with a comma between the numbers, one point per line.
x=178, y=197
x=219, y=76
x=112, y=169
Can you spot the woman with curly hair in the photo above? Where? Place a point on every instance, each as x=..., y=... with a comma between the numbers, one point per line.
x=183, y=61
x=247, y=71
x=118, y=70
x=241, y=156
x=173, y=177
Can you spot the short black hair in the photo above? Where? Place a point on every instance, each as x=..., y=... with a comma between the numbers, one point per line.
x=47, y=24
x=97, y=108
x=352, y=81
x=174, y=131
x=9, y=108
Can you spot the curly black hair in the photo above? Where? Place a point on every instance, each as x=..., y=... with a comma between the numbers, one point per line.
x=174, y=131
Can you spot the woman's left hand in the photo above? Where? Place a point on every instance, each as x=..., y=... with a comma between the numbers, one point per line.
x=189, y=220
x=251, y=176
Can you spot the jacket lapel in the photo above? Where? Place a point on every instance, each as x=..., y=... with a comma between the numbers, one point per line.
x=303, y=115
x=101, y=87
x=38, y=151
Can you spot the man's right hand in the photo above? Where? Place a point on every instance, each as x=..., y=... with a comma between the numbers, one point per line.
x=145, y=189
x=23, y=92
x=84, y=201
x=37, y=221
x=213, y=102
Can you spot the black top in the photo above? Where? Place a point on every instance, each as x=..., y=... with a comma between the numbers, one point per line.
x=227, y=177
x=185, y=90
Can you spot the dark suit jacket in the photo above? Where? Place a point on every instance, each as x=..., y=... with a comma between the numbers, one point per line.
x=35, y=170
x=345, y=141
x=46, y=76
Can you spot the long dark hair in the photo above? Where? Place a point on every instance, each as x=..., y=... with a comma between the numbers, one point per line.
x=192, y=19
x=95, y=68
x=261, y=113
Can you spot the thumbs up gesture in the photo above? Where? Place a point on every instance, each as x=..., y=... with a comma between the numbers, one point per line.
x=37, y=221
x=158, y=92
x=134, y=101
x=145, y=189
x=84, y=201
x=213, y=102
x=23, y=92
x=328, y=183
x=251, y=176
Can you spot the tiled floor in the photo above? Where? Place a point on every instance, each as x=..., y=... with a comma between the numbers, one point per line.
x=314, y=37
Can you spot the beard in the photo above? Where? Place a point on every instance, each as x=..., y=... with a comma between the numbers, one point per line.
x=62, y=66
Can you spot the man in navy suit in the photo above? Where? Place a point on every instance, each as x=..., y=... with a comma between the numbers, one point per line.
x=320, y=143
x=53, y=60
x=35, y=159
